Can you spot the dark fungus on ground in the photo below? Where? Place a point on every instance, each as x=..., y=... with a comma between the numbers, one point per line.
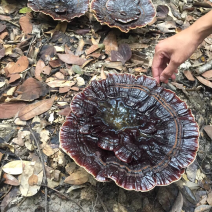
x=130, y=130
x=64, y=10
x=123, y=14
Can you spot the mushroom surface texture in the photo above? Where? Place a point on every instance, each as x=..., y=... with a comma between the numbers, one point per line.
x=123, y=14
x=130, y=130
x=60, y=10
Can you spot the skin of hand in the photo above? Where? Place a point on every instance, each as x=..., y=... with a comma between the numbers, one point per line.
x=173, y=51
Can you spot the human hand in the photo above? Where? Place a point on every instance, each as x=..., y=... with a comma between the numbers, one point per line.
x=172, y=52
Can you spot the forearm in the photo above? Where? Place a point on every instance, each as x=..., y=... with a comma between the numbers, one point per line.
x=202, y=27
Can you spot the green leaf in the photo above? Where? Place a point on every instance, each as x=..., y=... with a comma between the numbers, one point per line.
x=77, y=69
x=25, y=10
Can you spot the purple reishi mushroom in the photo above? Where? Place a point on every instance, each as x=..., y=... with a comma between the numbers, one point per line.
x=130, y=130
x=64, y=10
x=123, y=14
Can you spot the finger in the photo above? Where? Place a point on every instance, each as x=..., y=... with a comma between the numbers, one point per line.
x=157, y=60
x=173, y=77
x=168, y=72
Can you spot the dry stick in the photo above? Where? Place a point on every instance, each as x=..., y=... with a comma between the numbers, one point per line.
x=43, y=166
x=65, y=197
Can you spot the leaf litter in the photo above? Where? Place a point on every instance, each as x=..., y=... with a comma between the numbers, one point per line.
x=44, y=64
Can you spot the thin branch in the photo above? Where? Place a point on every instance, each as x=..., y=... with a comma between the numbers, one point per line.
x=43, y=166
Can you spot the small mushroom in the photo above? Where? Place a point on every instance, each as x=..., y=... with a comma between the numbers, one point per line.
x=123, y=14
x=64, y=10
x=130, y=130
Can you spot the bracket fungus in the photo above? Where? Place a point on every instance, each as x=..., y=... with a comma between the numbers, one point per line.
x=130, y=130
x=64, y=10
x=123, y=14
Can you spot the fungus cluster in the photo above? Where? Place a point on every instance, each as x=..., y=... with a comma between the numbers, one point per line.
x=122, y=14
x=130, y=130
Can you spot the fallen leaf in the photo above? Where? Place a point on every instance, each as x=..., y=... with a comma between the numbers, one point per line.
x=65, y=111
x=39, y=69
x=32, y=110
x=208, y=75
x=33, y=180
x=77, y=178
x=208, y=130
x=188, y=75
x=93, y=48
x=162, y=12
x=2, y=53
x=79, y=49
x=31, y=89
x=178, y=204
x=197, y=54
x=55, y=63
x=8, y=199
x=123, y=54
x=57, y=83
x=14, y=167
x=202, y=208
x=9, y=110
x=116, y=65
x=71, y=59
x=10, y=180
x=32, y=173
x=21, y=65
x=80, y=81
x=110, y=43
x=47, y=150
x=209, y=199
x=14, y=77
x=26, y=24
x=204, y=81
x=47, y=52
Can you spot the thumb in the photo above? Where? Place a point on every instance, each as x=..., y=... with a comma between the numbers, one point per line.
x=168, y=71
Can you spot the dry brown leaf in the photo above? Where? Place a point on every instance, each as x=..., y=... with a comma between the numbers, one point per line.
x=3, y=35
x=204, y=81
x=103, y=75
x=59, y=75
x=55, y=63
x=116, y=65
x=209, y=199
x=31, y=89
x=208, y=74
x=32, y=110
x=138, y=46
x=39, y=68
x=79, y=49
x=71, y=59
x=197, y=54
x=92, y=49
x=27, y=178
x=208, y=130
x=47, y=150
x=10, y=180
x=141, y=70
x=75, y=88
x=64, y=89
x=57, y=83
x=9, y=110
x=77, y=178
x=14, y=77
x=65, y=111
x=1, y=155
x=21, y=65
x=189, y=75
x=26, y=24
x=110, y=43
x=5, y=18
x=202, y=208
x=46, y=70
x=8, y=198
x=33, y=180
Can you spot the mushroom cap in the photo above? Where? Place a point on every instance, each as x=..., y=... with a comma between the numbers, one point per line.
x=64, y=10
x=123, y=14
x=130, y=130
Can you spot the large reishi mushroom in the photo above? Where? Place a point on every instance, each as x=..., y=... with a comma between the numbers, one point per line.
x=123, y=14
x=64, y=10
x=130, y=130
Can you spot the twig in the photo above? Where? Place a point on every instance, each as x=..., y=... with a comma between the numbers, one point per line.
x=68, y=198
x=43, y=166
x=33, y=39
